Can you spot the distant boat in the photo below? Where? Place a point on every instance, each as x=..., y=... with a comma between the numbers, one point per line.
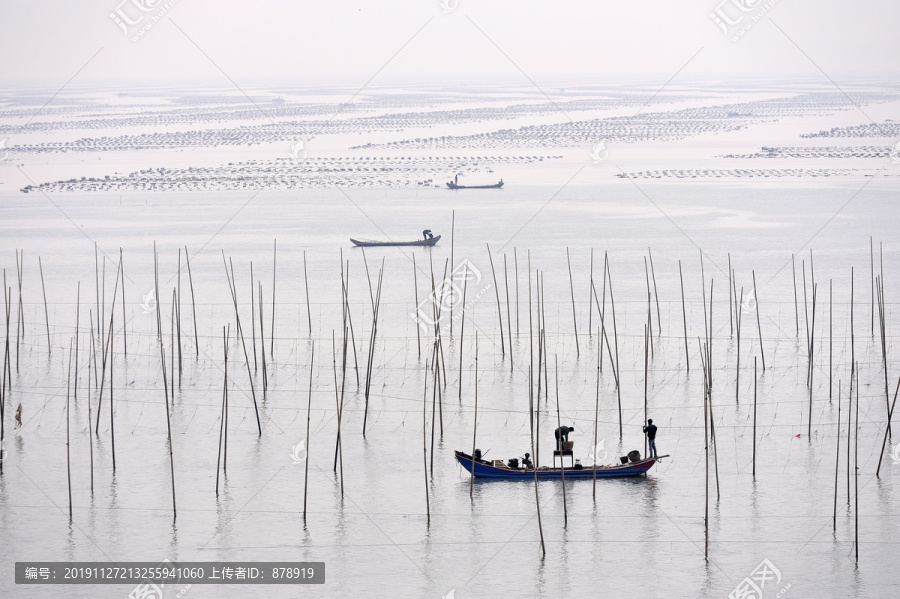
x=453, y=185
x=498, y=469
x=372, y=243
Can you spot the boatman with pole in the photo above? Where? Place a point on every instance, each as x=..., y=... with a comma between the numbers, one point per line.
x=650, y=430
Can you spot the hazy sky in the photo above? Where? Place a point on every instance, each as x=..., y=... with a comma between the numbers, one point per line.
x=290, y=41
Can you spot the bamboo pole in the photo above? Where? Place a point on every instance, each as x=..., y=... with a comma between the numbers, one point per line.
x=687, y=358
x=232, y=285
x=68, y=448
x=649, y=298
x=537, y=499
x=559, y=445
x=453, y=263
x=474, y=423
x=272, y=329
x=262, y=340
x=222, y=417
x=572, y=291
x=90, y=433
x=602, y=309
x=306, y=281
x=796, y=306
x=312, y=357
x=812, y=336
x=516, y=264
x=754, y=415
x=856, y=475
x=497, y=293
x=169, y=429
x=762, y=354
x=737, y=319
x=731, y=285
x=46, y=315
x=462, y=324
x=591, y=295
x=872, y=267
x=655, y=294
x=124, y=319
x=178, y=317
x=837, y=460
x=887, y=430
x=596, y=418
x=187, y=259
x=508, y=313
x=612, y=302
x=646, y=372
x=253, y=317
x=425, y=443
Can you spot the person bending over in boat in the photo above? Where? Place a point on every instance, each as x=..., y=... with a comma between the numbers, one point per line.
x=650, y=429
x=427, y=234
x=562, y=435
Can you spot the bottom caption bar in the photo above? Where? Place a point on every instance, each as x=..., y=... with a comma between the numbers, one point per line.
x=159, y=574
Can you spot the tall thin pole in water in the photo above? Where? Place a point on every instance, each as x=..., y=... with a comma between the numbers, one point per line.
x=591, y=296
x=612, y=302
x=596, y=418
x=856, y=474
x=46, y=315
x=754, y=417
x=812, y=337
x=762, y=354
x=837, y=460
x=452, y=263
x=572, y=291
x=68, y=450
x=559, y=445
x=497, y=293
x=232, y=284
x=306, y=281
x=425, y=443
x=312, y=356
x=474, y=422
x=887, y=430
x=462, y=324
x=508, y=313
x=655, y=294
x=222, y=417
x=687, y=357
x=646, y=370
x=272, y=329
x=796, y=306
x=187, y=259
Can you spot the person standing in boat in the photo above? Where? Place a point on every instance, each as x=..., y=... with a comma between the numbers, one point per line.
x=650, y=431
x=562, y=435
x=427, y=234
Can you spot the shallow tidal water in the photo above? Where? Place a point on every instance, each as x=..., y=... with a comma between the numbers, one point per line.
x=641, y=536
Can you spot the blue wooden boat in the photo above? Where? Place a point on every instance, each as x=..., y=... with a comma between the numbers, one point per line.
x=498, y=469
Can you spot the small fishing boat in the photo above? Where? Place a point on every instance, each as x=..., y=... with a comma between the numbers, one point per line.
x=453, y=185
x=372, y=243
x=500, y=469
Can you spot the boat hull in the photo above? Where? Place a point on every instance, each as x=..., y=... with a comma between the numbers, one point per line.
x=372, y=243
x=453, y=185
x=483, y=470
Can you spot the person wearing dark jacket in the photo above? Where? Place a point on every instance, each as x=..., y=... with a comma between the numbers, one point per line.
x=650, y=430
